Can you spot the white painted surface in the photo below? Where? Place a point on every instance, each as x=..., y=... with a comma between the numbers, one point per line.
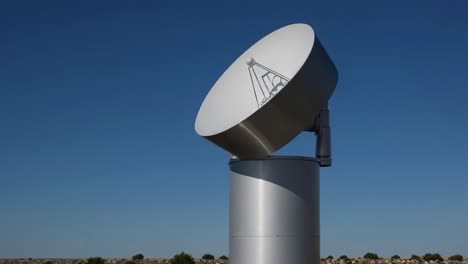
x=231, y=99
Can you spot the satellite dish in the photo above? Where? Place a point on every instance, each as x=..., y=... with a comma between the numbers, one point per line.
x=275, y=90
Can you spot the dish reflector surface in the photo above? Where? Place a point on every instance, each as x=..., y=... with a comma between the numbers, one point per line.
x=232, y=98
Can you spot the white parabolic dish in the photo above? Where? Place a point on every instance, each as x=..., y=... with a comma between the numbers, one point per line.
x=231, y=99
x=252, y=84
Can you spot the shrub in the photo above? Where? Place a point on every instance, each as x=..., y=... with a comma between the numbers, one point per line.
x=138, y=256
x=207, y=256
x=396, y=257
x=427, y=256
x=223, y=257
x=434, y=257
x=95, y=260
x=437, y=257
x=344, y=257
x=330, y=257
x=182, y=258
x=456, y=257
x=415, y=257
x=370, y=255
x=130, y=262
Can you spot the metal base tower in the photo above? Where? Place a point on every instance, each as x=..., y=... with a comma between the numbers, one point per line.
x=274, y=211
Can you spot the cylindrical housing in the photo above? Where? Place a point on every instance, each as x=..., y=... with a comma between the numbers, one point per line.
x=274, y=211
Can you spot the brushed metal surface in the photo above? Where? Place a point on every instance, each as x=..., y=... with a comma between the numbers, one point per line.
x=293, y=110
x=274, y=211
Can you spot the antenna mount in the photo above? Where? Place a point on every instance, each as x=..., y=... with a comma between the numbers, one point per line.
x=322, y=131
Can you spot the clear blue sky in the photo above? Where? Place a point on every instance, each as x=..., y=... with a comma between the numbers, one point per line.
x=98, y=154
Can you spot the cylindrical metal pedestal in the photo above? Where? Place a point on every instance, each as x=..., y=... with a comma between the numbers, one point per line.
x=274, y=211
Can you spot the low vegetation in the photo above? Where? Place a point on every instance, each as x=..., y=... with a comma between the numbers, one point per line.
x=138, y=256
x=95, y=260
x=456, y=258
x=370, y=255
x=185, y=258
x=433, y=256
x=182, y=258
x=208, y=256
